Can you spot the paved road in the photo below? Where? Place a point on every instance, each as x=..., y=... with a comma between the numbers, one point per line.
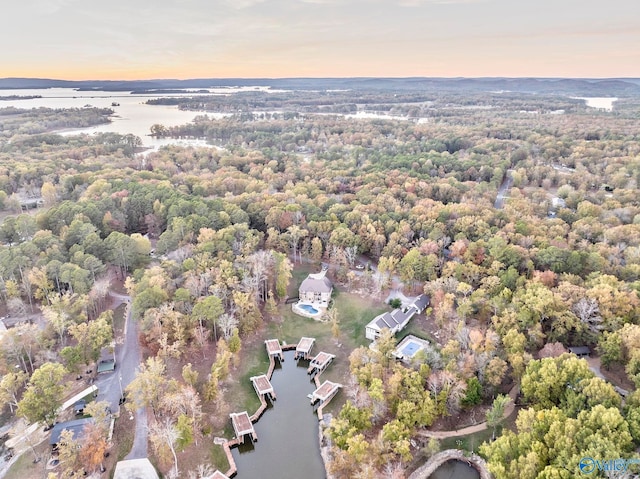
x=503, y=190
x=110, y=385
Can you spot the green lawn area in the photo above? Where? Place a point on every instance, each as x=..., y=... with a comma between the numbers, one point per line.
x=354, y=312
x=219, y=458
x=468, y=443
x=25, y=468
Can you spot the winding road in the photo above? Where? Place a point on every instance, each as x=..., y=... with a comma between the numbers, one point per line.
x=111, y=385
x=502, y=191
x=513, y=394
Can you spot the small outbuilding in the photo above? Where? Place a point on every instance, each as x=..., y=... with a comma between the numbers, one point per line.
x=580, y=351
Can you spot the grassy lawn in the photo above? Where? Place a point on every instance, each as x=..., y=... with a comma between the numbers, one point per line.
x=469, y=443
x=219, y=458
x=415, y=328
x=25, y=468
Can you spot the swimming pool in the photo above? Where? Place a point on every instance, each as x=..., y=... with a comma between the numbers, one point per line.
x=410, y=349
x=308, y=308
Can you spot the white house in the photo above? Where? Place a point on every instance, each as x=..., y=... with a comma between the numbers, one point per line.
x=397, y=319
x=316, y=289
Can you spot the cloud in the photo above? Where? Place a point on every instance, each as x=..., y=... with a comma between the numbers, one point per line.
x=242, y=4
x=419, y=3
x=48, y=7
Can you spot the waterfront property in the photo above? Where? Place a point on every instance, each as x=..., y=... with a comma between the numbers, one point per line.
x=263, y=387
x=320, y=363
x=316, y=289
x=304, y=347
x=397, y=319
x=315, y=294
x=325, y=392
x=243, y=426
x=274, y=350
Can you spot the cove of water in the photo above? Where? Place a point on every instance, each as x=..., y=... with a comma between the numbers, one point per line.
x=131, y=115
x=455, y=470
x=288, y=445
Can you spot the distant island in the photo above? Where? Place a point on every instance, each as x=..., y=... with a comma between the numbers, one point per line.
x=19, y=97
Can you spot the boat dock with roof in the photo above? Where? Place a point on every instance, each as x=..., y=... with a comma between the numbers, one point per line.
x=325, y=392
x=263, y=387
x=274, y=350
x=243, y=426
x=304, y=347
x=243, y=423
x=320, y=363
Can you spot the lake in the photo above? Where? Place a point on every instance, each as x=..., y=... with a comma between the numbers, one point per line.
x=132, y=115
x=604, y=103
x=288, y=445
x=455, y=470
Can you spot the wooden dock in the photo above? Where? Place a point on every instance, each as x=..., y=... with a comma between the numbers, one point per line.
x=243, y=426
x=325, y=392
x=320, y=363
x=304, y=347
x=274, y=350
x=243, y=423
x=263, y=387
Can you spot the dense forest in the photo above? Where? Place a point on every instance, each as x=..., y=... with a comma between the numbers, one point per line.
x=205, y=242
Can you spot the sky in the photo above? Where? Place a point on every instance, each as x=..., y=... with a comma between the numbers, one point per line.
x=147, y=39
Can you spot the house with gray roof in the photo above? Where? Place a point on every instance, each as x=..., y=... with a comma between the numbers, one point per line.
x=76, y=427
x=397, y=319
x=316, y=289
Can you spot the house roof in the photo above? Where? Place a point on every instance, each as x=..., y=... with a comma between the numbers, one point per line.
x=135, y=469
x=317, y=283
x=76, y=427
x=579, y=350
x=421, y=302
x=391, y=319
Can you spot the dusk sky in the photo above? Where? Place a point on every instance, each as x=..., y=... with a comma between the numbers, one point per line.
x=132, y=39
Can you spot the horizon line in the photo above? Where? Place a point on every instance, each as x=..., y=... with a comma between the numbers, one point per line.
x=411, y=77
